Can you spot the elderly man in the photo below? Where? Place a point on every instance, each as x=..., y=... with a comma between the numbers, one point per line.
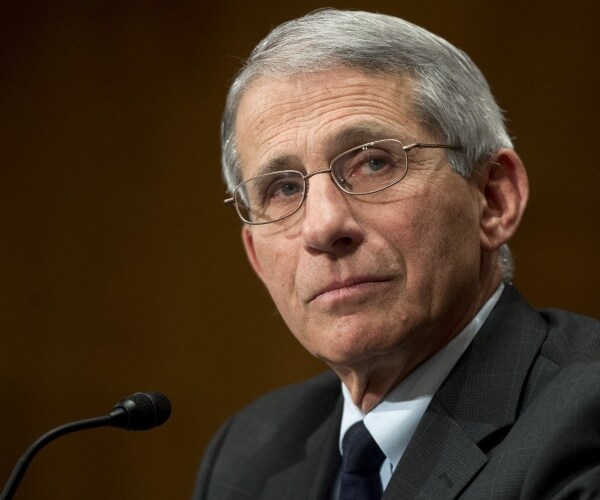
x=378, y=188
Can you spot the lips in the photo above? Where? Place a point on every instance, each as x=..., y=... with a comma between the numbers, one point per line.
x=349, y=285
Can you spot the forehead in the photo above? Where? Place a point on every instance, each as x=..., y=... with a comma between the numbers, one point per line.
x=321, y=114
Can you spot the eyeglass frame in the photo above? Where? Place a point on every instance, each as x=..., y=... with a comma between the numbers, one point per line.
x=305, y=177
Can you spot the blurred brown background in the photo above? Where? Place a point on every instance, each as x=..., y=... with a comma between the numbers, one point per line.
x=121, y=271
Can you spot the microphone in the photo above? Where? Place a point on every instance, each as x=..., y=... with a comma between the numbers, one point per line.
x=140, y=411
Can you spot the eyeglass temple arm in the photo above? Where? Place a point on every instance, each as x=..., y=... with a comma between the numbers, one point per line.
x=229, y=201
x=427, y=145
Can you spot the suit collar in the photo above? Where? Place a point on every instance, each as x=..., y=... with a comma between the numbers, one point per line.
x=476, y=403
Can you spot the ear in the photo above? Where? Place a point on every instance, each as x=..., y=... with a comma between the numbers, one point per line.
x=505, y=190
x=248, y=241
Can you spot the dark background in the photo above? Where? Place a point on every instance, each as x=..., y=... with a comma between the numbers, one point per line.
x=121, y=271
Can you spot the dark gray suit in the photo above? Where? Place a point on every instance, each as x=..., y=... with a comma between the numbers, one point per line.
x=518, y=417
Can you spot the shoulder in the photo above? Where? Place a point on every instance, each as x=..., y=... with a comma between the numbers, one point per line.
x=558, y=423
x=324, y=389
x=293, y=409
x=560, y=337
x=571, y=337
x=571, y=345
x=270, y=434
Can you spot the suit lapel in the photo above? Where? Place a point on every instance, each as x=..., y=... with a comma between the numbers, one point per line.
x=440, y=460
x=474, y=407
x=311, y=478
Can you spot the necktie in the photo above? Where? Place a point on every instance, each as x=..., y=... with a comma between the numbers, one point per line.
x=361, y=463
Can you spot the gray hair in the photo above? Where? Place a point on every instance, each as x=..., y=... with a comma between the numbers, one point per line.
x=451, y=96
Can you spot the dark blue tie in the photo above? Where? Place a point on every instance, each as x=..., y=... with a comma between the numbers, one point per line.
x=361, y=463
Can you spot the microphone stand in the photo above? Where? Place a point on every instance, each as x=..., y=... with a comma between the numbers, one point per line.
x=140, y=411
x=21, y=466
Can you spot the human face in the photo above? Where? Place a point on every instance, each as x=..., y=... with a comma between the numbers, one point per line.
x=362, y=279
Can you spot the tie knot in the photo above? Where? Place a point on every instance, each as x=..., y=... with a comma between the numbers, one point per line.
x=360, y=451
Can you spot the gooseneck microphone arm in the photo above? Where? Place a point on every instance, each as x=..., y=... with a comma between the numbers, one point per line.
x=141, y=411
x=19, y=470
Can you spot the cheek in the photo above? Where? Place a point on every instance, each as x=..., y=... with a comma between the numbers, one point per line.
x=278, y=266
x=456, y=237
x=439, y=235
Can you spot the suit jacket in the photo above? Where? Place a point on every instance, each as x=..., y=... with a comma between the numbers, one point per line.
x=517, y=417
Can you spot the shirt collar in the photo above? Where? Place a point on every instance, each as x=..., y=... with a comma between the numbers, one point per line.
x=393, y=421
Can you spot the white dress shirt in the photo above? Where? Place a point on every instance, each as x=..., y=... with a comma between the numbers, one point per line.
x=394, y=420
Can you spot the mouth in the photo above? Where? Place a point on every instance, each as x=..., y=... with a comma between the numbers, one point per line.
x=349, y=288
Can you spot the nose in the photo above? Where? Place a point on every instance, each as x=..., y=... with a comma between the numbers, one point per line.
x=329, y=223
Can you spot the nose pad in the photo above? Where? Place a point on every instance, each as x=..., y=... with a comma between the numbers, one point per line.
x=340, y=181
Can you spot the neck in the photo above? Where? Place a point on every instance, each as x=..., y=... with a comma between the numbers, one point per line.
x=368, y=389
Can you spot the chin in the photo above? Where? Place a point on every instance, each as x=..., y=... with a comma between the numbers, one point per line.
x=350, y=339
x=350, y=352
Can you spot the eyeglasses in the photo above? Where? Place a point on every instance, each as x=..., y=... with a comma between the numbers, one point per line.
x=365, y=169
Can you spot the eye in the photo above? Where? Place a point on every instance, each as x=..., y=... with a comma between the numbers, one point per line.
x=369, y=162
x=375, y=164
x=371, y=167
x=278, y=188
x=284, y=188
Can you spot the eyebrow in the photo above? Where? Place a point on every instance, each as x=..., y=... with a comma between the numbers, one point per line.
x=277, y=164
x=345, y=139
x=356, y=135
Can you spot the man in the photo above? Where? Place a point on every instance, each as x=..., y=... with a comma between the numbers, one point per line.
x=378, y=189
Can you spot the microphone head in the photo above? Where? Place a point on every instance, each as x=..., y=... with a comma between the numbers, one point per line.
x=141, y=411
